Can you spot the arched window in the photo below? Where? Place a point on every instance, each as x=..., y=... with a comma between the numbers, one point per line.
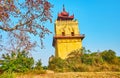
x=63, y=33
x=72, y=33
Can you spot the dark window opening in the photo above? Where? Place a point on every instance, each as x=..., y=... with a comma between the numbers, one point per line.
x=63, y=33
x=72, y=33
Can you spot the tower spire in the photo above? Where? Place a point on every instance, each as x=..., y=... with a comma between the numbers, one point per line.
x=63, y=7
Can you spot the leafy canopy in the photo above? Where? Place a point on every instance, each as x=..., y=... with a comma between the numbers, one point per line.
x=17, y=62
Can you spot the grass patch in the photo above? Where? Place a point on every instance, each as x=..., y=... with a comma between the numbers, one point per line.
x=8, y=75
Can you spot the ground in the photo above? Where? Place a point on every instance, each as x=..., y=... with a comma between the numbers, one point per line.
x=74, y=75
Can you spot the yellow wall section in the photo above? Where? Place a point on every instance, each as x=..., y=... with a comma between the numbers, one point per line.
x=67, y=27
x=63, y=46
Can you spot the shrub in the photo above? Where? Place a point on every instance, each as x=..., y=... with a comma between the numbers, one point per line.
x=17, y=62
x=57, y=64
x=108, y=56
x=79, y=61
x=38, y=65
x=8, y=75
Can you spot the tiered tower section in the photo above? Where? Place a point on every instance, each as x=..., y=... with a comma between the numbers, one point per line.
x=67, y=35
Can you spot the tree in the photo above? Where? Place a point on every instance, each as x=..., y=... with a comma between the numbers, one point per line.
x=17, y=62
x=38, y=65
x=21, y=19
x=108, y=56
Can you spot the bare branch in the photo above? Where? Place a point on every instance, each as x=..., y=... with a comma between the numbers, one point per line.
x=20, y=19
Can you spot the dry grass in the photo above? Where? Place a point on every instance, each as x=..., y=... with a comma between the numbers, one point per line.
x=73, y=75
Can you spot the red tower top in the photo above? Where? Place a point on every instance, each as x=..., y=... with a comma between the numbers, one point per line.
x=64, y=15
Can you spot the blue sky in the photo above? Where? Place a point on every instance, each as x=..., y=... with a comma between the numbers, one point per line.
x=99, y=20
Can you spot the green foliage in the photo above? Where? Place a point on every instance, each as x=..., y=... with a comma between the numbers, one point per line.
x=108, y=56
x=17, y=62
x=73, y=60
x=85, y=60
x=57, y=64
x=38, y=65
x=75, y=56
x=45, y=67
x=8, y=75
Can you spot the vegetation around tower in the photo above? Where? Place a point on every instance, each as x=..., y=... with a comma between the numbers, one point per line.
x=20, y=63
x=85, y=60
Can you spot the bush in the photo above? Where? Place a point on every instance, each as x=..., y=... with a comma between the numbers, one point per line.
x=38, y=65
x=115, y=68
x=8, y=75
x=17, y=62
x=108, y=56
x=57, y=64
x=79, y=61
